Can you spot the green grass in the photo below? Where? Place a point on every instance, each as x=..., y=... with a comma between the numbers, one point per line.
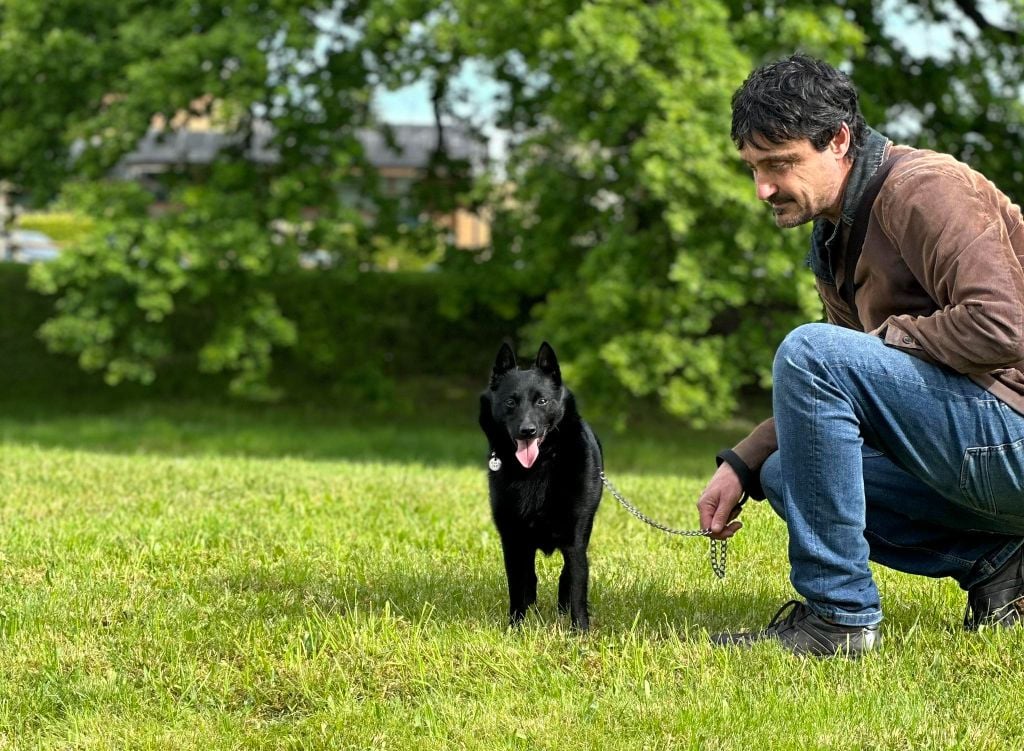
x=197, y=577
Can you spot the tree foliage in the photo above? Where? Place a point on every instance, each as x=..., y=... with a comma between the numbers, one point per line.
x=622, y=209
x=962, y=95
x=666, y=279
x=288, y=84
x=631, y=207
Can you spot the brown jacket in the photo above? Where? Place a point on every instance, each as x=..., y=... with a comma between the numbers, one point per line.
x=940, y=276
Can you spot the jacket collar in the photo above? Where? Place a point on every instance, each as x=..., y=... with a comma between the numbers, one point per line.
x=864, y=168
x=825, y=233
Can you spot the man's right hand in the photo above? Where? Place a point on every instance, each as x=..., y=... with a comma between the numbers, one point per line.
x=719, y=505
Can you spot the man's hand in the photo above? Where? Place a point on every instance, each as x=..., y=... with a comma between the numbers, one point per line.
x=718, y=504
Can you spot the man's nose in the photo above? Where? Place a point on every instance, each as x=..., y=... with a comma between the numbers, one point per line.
x=765, y=189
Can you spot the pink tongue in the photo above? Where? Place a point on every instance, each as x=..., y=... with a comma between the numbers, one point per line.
x=526, y=452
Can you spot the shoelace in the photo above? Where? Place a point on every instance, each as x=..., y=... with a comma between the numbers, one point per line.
x=797, y=611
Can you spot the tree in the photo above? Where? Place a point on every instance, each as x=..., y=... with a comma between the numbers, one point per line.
x=622, y=212
x=963, y=97
x=287, y=84
x=664, y=278
x=631, y=209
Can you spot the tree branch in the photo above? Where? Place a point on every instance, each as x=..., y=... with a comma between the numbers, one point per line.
x=970, y=9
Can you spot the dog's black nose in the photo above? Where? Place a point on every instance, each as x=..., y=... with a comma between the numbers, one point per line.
x=527, y=431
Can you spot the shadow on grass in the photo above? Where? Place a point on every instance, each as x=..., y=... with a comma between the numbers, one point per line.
x=480, y=599
x=442, y=434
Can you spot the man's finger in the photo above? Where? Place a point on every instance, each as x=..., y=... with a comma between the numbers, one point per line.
x=706, y=510
x=728, y=532
x=723, y=515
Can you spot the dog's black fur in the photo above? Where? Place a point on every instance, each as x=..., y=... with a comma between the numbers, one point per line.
x=546, y=492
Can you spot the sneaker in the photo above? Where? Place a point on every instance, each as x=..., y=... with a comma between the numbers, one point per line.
x=803, y=632
x=999, y=600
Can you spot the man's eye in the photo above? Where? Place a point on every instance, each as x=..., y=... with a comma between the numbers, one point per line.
x=541, y=401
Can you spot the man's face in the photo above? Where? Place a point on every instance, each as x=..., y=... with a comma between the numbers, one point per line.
x=800, y=182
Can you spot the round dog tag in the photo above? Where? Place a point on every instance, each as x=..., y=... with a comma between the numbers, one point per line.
x=494, y=463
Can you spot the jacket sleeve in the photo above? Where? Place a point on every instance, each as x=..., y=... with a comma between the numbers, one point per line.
x=947, y=224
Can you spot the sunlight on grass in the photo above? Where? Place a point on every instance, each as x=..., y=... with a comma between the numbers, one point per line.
x=179, y=594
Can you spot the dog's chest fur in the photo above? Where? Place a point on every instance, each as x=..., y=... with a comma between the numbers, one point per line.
x=536, y=506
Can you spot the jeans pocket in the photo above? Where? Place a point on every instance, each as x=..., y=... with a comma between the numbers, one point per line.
x=992, y=478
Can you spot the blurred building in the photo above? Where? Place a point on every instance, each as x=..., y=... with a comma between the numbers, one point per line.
x=400, y=163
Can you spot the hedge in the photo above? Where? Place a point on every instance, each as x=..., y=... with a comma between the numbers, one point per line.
x=358, y=334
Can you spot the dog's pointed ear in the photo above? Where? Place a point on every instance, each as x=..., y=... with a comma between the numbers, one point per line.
x=503, y=363
x=547, y=363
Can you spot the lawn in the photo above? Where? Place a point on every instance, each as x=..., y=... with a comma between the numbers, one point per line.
x=206, y=577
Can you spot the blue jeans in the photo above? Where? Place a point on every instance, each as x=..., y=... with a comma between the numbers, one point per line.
x=883, y=456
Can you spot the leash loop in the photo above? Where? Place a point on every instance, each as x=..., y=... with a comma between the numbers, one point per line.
x=719, y=549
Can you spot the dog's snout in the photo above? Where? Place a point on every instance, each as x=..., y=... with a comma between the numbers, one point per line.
x=527, y=431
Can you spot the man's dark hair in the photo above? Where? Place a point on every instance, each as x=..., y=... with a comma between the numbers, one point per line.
x=798, y=97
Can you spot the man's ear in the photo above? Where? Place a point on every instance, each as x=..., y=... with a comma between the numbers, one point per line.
x=503, y=363
x=547, y=363
x=842, y=142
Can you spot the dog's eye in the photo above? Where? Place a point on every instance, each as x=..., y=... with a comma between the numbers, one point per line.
x=541, y=401
x=510, y=403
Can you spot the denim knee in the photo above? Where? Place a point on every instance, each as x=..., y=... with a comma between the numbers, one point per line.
x=803, y=346
x=771, y=482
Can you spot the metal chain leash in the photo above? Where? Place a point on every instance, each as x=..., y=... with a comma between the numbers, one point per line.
x=718, y=551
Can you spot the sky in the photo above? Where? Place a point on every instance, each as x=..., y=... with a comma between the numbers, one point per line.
x=411, y=106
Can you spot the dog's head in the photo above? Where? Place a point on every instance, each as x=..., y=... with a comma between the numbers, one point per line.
x=526, y=403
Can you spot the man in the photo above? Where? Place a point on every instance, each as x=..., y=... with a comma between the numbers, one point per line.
x=898, y=428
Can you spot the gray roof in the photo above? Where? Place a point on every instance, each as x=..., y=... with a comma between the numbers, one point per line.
x=413, y=145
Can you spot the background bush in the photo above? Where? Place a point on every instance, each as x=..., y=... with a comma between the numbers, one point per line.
x=356, y=334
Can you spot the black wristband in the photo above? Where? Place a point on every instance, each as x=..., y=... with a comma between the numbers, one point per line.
x=749, y=479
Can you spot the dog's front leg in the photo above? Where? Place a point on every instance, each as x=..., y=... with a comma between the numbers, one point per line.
x=572, y=586
x=522, y=580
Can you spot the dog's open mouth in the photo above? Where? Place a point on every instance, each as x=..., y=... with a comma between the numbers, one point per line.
x=528, y=451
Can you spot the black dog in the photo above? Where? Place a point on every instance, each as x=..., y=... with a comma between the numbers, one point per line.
x=545, y=479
